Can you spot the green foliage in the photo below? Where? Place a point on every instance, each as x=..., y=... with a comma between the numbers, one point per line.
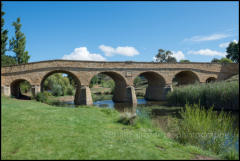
x=70, y=90
x=4, y=36
x=7, y=60
x=17, y=44
x=219, y=94
x=206, y=128
x=165, y=56
x=225, y=60
x=94, y=81
x=233, y=51
x=215, y=60
x=42, y=96
x=222, y=60
x=184, y=61
x=25, y=86
x=231, y=155
x=57, y=90
x=137, y=81
x=58, y=85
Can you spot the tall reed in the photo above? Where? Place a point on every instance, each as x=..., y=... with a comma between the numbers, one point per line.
x=207, y=128
x=220, y=95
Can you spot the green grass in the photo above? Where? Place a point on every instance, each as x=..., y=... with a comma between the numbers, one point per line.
x=33, y=130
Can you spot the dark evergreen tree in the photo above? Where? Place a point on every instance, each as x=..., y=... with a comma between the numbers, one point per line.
x=233, y=52
x=4, y=33
x=17, y=44
x=6, y=60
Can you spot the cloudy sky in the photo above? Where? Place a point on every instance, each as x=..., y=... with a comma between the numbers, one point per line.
x=123, y=31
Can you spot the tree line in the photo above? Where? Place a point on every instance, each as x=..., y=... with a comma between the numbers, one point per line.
x=165, y=56
x=17, y=44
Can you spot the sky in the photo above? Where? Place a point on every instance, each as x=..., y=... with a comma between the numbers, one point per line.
x=124, y=31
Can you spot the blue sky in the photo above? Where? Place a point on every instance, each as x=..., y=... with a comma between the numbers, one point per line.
x=121, y=31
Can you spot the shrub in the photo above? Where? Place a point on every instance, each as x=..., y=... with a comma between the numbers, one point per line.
x=220, y=95
x=57, y=90
x=42, y=97
x=70, y=90
x=206, y=128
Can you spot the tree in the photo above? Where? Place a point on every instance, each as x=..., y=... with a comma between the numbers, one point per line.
x=5, y=59
x=233, y=52
x=225, y=60
x=17, y=44
x=164, y=56
x=215, y=60
x=4, y=33
x=222, y=60
x=184, y=61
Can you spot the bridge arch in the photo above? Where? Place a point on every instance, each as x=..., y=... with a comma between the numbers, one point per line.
x=15, y=88
x=120, y=89
x=185, y=78
x=211, y=79
x=155, y=90
x=76, y=80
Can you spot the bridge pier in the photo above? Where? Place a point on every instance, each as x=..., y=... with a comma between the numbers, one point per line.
x=83, y=96
x=131, y=96
x=157, y=93
x=6, y=91
x=35, y=89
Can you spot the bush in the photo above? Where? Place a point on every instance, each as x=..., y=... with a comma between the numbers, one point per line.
x=219, y=94
x=57, y=90
x=42, y=97
x=206, y=128
x=70, y=90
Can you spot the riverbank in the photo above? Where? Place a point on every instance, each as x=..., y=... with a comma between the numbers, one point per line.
x=33, y=130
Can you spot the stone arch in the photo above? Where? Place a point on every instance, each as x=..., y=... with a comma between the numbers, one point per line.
x=186, y=77
x=211, y=79
x=156, y=85
x=120, y=90
x=75, y=78
x=15, y=88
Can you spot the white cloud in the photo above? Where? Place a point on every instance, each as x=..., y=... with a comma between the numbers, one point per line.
x=83, y=54
x=121, y=50
x=154, y=58
x=225, y=45
x=207, y=38
x=207, y=52
x=178, y=55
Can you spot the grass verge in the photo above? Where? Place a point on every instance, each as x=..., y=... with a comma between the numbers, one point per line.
x=33, y=130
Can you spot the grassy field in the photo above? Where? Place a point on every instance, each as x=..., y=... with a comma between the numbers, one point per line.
x=33, y=130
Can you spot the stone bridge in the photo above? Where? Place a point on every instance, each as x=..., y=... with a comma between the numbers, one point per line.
x=159, y=75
